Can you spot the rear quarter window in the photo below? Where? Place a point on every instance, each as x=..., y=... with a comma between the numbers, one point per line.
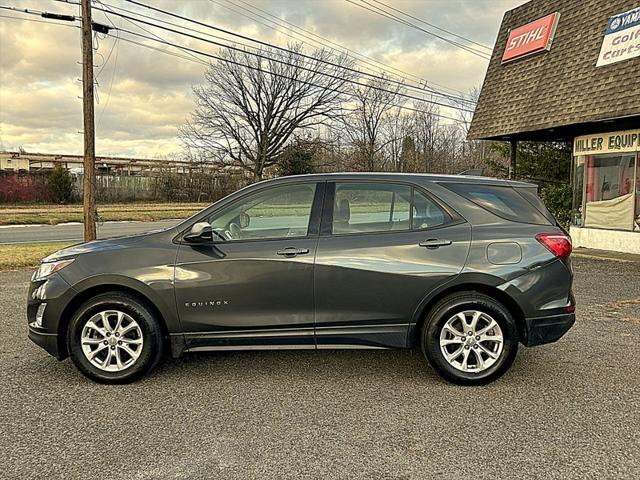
x=502, y=201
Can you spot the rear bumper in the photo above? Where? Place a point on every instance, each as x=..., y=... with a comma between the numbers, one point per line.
x=541, y=330
x=48, y=341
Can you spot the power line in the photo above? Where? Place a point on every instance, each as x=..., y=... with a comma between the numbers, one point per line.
x=380, y=11
x=455, y=98
x=341, y=49
x=416, y=88
x=35, y=20
x=434, y=26
x=205, y=54
x=369, y=60
x=198, y=52
x=228, y=32
x=244, y=37
x=115, y=45
x=313, y=59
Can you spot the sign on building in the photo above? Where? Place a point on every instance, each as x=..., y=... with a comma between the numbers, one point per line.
x=531, y=38
x=615, y=142
x=622, y=38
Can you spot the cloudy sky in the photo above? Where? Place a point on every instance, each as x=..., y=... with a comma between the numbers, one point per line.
x=145, y=95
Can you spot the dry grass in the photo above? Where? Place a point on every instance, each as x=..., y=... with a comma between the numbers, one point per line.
x=26, y=254
x=54, y=214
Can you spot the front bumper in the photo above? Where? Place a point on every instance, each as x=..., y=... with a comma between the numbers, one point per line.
x=48, y=341
x=541, y=330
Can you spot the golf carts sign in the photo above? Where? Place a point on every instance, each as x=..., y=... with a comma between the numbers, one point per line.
x=531, y=38
x=622, y=38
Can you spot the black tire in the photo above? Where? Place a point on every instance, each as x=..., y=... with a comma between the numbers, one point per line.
x=446, y=309
x=152, y=347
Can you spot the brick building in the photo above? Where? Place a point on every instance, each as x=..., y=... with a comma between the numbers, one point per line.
x=569, y=70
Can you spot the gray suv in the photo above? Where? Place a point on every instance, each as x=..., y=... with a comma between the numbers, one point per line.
x=466, y=268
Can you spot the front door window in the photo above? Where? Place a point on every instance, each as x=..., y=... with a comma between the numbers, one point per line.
x=279, y=212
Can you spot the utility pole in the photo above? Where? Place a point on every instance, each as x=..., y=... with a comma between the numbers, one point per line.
x=89, y=177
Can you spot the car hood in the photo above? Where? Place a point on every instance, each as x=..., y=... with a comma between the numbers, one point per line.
x=96, y=246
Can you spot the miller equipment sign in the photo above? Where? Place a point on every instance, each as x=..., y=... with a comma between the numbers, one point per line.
x=531, y=38
x=622, y=38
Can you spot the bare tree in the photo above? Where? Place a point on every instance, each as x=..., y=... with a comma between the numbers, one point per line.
x=364, y=124
x=427, y=127
x=399, y=135
x=250, y=106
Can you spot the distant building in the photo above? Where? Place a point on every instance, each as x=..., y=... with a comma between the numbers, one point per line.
x=13, y=163
x=34, y=162
x=569, y=70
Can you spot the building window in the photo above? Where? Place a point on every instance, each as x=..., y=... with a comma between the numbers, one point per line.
x=636, y=223
x=605, y=191
x=578, y=190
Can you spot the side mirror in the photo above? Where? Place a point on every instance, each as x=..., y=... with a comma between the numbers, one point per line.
x=245, y=219
x=199, y=233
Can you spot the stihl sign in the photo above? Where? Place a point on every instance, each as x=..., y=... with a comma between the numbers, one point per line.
x=531, y=38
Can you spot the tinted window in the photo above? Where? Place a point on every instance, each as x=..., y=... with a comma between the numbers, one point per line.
x=273, y=213
x=371, y=207
x=502, y=201
x=427, y=213
x=529, y=193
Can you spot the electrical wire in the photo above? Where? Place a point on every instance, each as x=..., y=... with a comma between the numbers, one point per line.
x=35, y=20
x=205, y=54
x=115, y=45
x=267, y=44
x=487, y=47
x=319, y=72
x=422, y=80
x=320, y=44
x=380, y=66
x=381, y=12
x=198, y=52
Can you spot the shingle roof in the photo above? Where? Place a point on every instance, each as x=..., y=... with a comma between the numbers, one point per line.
x=562, y=86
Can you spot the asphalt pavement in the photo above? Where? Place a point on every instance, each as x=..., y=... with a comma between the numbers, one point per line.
x=565, y=410
x=73, y=232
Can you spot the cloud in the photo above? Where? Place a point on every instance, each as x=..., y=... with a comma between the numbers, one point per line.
x=145, y=96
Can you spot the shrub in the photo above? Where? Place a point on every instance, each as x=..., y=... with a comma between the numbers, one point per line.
x=60, y=185
x=297, y=158
x=557, y=199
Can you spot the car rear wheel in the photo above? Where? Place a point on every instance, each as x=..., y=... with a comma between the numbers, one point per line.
x=469, y=338
x=114, y=338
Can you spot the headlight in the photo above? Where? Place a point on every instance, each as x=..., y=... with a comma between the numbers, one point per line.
x=49, y=268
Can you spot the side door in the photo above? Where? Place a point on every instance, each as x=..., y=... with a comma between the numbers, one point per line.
x=383, y=247
x=252, y=286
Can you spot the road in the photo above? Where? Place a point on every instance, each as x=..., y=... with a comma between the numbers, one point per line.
x=566, y=410
x=72, y=232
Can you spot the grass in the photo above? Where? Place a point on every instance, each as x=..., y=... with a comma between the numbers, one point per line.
x=26, y=254
x=54, y=214
x=148, y=212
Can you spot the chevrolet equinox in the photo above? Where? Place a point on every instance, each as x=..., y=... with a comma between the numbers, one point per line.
x=465, y=268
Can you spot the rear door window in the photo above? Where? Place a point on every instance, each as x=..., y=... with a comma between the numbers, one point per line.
x=360, y=207
x=371, y=207
x=502, y=201
x=427, y=213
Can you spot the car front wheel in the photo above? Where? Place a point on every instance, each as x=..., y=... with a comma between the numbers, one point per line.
x=470, y=338
x=114, y=338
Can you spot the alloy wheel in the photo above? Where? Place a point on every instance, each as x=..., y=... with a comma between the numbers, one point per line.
x=112, y=340
x=471, y=341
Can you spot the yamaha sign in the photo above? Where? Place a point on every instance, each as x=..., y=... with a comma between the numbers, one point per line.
x=622, y=38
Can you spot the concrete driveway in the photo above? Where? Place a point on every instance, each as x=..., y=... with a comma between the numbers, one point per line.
x=566, y=410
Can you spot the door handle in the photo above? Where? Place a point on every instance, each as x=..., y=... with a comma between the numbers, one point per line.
x=435, y=243
x=292, y=251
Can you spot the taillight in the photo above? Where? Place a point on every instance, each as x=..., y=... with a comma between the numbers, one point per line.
x=557, y=243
